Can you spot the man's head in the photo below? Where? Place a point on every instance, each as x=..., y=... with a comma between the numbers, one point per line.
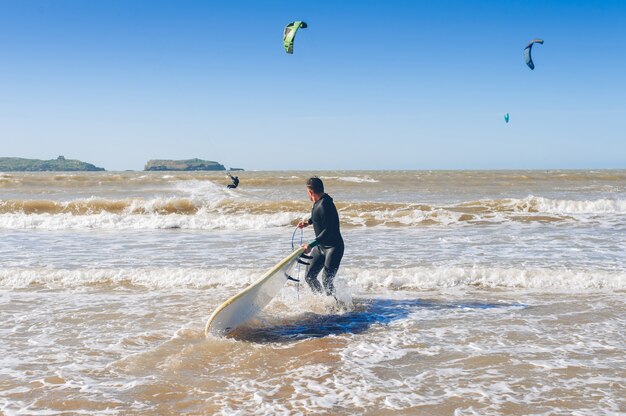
x=315, y=188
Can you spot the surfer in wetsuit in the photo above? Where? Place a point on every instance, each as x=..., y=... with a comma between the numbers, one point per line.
x=235, y=180
x=329, y=250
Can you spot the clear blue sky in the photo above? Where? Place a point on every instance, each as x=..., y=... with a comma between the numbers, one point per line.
x=371, y=85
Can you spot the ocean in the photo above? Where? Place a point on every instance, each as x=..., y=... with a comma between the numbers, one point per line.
x=467, y=293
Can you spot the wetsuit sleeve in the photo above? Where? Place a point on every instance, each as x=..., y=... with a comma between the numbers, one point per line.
x=310, y=221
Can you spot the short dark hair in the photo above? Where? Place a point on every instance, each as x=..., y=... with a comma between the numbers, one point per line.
x=316, y=185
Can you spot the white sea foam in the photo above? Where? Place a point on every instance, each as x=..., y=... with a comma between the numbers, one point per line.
x=598, y=206
x=402, y=217
x=352, y=279
x=205, y=191
x=358, y=179
x=167, y=277
x=202, y=220
x=417, y=278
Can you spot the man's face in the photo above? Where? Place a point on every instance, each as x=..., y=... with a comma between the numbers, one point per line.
x=309, y=192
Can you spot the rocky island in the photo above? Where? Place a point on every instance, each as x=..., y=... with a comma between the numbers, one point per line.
x=189, y=164
x=60, y=164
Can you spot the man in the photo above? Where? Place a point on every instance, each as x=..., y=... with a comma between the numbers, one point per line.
x=235, y=180
x=329, y=250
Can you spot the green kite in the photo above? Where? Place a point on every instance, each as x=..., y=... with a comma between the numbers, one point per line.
x=290, y=34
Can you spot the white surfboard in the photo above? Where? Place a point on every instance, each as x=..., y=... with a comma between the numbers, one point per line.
x=246, y=304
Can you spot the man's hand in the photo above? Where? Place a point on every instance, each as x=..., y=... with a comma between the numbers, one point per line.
x=303, y=224
x=306, y=248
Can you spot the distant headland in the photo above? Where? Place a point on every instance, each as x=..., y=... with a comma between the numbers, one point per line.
x=185, y=165
x=61, y=164
x=18, y=164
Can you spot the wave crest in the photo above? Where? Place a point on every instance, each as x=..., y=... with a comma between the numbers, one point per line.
x=229, y=213
x=360, y=279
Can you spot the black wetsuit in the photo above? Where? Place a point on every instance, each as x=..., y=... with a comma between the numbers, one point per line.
x=329, y=251
x=235, y=182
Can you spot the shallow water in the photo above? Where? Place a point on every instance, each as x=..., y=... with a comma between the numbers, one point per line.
x=469, y=292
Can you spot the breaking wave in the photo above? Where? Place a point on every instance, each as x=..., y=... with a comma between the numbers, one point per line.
x=239, y=213
x=357, y=179
x=359, y=279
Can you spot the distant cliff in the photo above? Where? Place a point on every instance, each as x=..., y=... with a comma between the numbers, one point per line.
x=190, y=164
x=60, y=164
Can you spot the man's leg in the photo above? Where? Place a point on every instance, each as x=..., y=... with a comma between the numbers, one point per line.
x=313, y=269
x=331, y=265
